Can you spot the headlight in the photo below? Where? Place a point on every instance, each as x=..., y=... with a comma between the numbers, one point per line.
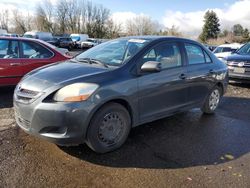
x=75, y=92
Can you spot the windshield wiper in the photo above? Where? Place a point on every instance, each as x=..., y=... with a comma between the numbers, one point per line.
x=97, y=61
x=91, y=61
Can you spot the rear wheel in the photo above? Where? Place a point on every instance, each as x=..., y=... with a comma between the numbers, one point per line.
x=109, y=128
x=212, y=101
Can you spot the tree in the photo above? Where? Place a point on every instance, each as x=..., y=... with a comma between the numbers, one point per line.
x=44, y=16
x=142, y=25
x=22, y=22
x=245, y=34
x=238, y=30
x=211, y=28
x=4, y=19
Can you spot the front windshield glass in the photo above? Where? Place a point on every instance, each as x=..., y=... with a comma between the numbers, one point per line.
x=223, y=49
x=114, y=52
x=75, y=38
x=244, y=50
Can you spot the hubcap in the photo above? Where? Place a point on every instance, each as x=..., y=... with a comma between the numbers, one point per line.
x=111, y=129
x=214, y=99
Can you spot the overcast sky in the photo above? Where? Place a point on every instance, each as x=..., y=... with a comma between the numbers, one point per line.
x=186, y=15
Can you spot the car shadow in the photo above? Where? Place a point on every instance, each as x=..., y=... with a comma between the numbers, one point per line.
x=239, y=84
x=183, y=140
x=6, y=97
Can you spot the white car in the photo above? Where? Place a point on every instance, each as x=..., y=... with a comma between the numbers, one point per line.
x=225, y=50
x=89, y=43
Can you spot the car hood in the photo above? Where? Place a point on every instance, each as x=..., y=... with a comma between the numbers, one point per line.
x=58, y=74
x=238, y=57
x=222, y=54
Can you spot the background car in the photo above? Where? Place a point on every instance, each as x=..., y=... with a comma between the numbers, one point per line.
x=19, y=56
x=9, y=35
x=45, y=36
x=89, y=43
x=97, y=97
x=78, y=39
x=65, y=42
x=239, y=64
x=225, y=50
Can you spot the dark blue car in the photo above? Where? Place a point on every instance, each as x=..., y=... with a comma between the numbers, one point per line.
x=239, y=64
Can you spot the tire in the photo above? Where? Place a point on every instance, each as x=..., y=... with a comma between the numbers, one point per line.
x=109, y=128
x=212, y=101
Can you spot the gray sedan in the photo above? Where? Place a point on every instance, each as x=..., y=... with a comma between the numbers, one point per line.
x=97, y=97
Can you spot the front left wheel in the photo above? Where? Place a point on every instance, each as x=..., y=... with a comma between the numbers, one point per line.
x=109, y=128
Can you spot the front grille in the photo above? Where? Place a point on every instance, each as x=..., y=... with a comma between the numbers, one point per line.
x=26, y=96
x=245, y=64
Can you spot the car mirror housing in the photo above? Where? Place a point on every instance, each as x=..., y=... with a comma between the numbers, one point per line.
x=151, y=66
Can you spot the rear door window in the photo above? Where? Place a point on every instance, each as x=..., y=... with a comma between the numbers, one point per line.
x=32, y=50
x=195, y=54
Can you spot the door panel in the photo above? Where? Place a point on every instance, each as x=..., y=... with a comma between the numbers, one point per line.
x=160, y=93
x=200, y=76
x=200, y=82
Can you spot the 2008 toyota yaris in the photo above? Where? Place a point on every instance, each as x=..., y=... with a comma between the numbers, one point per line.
x=97, y=97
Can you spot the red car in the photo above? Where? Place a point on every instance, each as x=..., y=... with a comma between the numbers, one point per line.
x=19, y=56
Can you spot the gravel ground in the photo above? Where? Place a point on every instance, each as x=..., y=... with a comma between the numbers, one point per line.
x=185, y=150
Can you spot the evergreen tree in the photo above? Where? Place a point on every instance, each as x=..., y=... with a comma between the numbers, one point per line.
x=211, y=28
x=238, y=30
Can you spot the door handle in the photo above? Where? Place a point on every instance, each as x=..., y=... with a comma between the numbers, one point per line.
x=15, y=64
x=182, y=76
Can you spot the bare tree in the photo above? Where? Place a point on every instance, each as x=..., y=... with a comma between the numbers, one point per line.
x=19, y=21
x=142, y=25
x=44, y=16
x=113, y=30
x=61, y=12
x=4, y=19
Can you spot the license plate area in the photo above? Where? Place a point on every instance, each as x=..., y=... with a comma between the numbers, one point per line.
x=239, y=70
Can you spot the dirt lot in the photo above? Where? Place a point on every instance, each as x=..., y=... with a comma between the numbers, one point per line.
x=186, y=150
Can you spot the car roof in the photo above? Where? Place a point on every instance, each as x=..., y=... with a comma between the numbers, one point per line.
x=20, y=38
x=233, y=45
x=156, y=37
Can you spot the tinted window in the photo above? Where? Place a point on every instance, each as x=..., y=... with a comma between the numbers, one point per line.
x=168, y=54
x=195, y=54
x=208, y=59
x=227, y=49
x=244, y=50
x=33, y=50
x=9, y=49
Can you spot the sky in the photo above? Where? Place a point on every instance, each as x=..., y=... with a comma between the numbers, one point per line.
x=186, y=15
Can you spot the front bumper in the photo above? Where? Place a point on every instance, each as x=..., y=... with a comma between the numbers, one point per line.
x=59, y=123
x=239, y=77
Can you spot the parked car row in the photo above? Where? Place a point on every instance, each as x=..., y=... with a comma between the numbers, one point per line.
x=80, y=41
x=237, y=57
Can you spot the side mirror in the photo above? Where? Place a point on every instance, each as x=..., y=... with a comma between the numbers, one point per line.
x=151, y=66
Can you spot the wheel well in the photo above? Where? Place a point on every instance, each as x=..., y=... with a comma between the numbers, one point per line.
x=220, y=85
x=124, y=103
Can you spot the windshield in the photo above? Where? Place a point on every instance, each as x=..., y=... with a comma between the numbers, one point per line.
x=75, y=38
x=244, y=50
x=114, y=52
x=223, y=49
